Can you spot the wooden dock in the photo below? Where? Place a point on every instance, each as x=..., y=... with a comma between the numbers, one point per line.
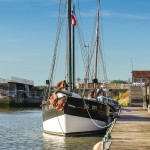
x=132, y=130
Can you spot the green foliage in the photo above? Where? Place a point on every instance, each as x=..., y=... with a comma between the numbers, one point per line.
x=42, y=87
x=119, y=81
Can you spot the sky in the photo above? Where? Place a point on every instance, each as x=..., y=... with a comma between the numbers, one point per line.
x=28, y=27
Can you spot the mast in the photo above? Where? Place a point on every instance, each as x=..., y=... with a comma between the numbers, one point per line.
x=95, y=80
x=69, y=46
x=73, y=51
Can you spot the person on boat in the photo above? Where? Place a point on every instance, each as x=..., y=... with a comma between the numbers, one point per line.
x=95, y=93
x=99, y=94
x=91, y=94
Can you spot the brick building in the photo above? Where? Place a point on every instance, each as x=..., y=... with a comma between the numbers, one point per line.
x=143, y=76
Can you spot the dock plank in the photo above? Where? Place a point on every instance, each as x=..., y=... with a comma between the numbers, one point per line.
x=132, y=130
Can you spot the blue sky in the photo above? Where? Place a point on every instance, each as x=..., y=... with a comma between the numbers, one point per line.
x=27, y=36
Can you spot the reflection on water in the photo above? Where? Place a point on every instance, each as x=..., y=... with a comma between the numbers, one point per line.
x=22, y=130
x=69, y=143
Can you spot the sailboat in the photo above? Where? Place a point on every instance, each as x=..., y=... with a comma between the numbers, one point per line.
x=65, y=111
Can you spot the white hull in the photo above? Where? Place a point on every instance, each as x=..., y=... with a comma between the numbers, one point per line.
x=67, y=124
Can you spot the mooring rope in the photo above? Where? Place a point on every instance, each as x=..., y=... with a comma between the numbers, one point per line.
x=59, y=122
x=92, y=118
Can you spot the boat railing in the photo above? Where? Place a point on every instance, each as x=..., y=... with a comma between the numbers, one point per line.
x=107, y=100
x=62, y=91
x=109, y=85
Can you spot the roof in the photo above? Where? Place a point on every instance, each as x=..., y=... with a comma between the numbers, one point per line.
x=17, y=80
x=141, y=74
x=22, y=81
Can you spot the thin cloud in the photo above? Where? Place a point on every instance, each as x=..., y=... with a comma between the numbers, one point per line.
x=121, y=15
x=92, y=13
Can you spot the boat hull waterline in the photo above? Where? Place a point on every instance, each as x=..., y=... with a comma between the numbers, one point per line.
x=81, y=117
x=67, y=124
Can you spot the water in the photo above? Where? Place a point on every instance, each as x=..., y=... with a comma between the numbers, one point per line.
x=22, y=130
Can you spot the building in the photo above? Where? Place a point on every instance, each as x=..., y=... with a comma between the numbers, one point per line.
x=140, y=89
x=138, y=76
x=20, y=91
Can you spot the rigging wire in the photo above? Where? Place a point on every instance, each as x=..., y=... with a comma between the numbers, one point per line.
x=57, y=42
x=56, y=48
x=78, y=4
x=82, y=43
x=77, y=61
x=92, y=47
x=81, y=38
x=59, y=122
x=59, y=45
x=101, y=61
x=102, y=46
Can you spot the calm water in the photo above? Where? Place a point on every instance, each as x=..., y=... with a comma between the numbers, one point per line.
x=22, y=130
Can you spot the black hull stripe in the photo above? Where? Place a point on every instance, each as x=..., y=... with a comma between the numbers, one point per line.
x=76, y=107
